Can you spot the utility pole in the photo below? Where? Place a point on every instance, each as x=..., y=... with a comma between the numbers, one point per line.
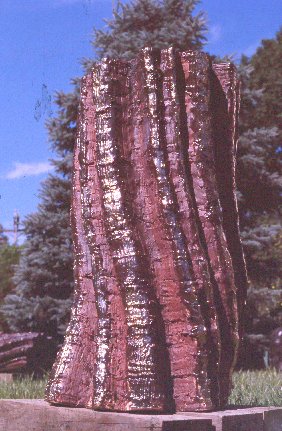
x=16, y=223
x=16, y=227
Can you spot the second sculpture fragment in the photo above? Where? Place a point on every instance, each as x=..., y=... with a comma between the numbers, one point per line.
x=159, y=270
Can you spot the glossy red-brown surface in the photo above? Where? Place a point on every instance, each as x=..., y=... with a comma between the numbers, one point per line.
x=201, y=152
x=225, y=87
x=154, y=323
x=71, y=379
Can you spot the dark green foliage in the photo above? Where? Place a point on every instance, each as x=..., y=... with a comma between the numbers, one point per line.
x=260, y=184
x=9, y=257
x=259, y=170
x=259, y=179
x=267, y=75
x=159, y=24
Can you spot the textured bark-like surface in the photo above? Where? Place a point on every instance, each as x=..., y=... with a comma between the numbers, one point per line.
x=185, y=331
x=201, y=153
x=154, y=324
x=16, y=350
x=225, y=100
x=71, y=378
x=179, y=171
x=110, y=361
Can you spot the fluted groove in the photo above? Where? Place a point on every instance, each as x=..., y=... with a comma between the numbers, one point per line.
x=196, y=68
x=158, y=254
x=176, y=143
x=225, y=87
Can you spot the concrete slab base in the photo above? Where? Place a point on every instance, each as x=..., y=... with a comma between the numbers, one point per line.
x=37, y=415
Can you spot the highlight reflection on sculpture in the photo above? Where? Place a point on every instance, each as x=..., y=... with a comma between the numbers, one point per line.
x=159, y=270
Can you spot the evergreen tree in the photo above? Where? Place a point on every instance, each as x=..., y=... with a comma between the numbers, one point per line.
x=259, y=179
x=9, y=257
x=266, y=75
x=159, y=24
x=44, y=279
x=259, y=175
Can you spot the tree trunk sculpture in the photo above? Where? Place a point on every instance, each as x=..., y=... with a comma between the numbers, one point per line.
x=159, y=269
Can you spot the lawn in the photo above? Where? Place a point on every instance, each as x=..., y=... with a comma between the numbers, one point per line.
x=23, y=388
x=250, y=388
x=257, y=388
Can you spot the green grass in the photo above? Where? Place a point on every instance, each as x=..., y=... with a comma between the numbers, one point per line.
x=257, y=388
x=21, y=388
x=250, y=388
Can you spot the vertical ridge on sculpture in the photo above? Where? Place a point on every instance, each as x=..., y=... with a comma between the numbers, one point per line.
x=110, y=371
x=225, y=87
x=70, y=381
x=196, y=67
x=144, y=390
x=176, y=136
x=101, y=373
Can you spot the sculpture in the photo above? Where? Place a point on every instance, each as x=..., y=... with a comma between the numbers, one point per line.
x=159, y=269
x=24, y=352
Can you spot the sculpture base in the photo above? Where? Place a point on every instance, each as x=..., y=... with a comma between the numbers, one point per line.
x=38, y=415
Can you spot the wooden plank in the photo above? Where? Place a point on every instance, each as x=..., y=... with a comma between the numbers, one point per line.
x=187, y=425
x=38, y=415
x=242, y=422
x=246, y=419
x=273, y=419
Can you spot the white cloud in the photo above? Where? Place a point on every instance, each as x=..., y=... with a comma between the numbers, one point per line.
x=215, y=33
x=21, y=170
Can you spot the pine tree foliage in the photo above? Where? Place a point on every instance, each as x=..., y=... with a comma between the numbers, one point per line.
x=267, y=75
x=259, y=169
x=259, y=179
x=9, y=257
x=159, y=24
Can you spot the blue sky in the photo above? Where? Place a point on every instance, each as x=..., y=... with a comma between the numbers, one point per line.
x=41, y=42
